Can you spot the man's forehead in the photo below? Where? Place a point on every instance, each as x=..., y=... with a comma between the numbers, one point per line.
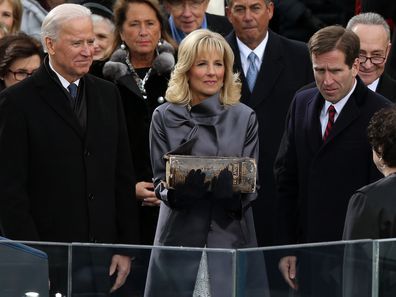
x=247, y=2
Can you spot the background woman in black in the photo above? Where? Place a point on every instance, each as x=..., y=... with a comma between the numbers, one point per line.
x=141, y=68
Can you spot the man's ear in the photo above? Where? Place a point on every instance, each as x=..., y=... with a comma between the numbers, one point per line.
x=388, y=50
x=49, y=44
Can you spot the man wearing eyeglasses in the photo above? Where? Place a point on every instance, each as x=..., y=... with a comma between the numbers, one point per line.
x=374, y=35
x=186, y=16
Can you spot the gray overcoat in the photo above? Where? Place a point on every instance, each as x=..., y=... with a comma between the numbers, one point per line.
x=206, y=129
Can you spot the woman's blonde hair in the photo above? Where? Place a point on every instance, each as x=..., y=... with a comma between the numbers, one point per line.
x=17, y=11
x=197, y=43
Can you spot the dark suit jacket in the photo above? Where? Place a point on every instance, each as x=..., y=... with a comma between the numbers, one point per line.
x=280, y=76
x=57, y=183
x=316, y=179
x=387, y=87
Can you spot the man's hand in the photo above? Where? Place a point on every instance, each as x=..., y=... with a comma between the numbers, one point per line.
x=287, y=266
x=121, y=264
x=145, y=193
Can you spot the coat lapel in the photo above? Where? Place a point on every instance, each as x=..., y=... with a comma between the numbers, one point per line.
x=313, y=122
x=128, y=82
x=350, y=112
x=96, y=110
x=56, y=98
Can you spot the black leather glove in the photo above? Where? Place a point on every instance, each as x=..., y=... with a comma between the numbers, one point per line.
x=222, y=185
x=193, y=189
x=222, y=190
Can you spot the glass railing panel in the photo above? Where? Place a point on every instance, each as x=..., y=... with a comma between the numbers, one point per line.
x=386, y=267
x=58, y=278
x=155, y=271
x=338, y=269
x=23, y=270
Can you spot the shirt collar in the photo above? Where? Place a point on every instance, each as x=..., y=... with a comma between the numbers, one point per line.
x=259, y=50
x=63, y=80
x=373, y=86
x=245, y=51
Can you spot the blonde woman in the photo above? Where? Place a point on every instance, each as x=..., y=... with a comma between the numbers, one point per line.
x=203, y=117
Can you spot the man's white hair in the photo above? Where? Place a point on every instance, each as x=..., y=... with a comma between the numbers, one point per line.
x=59, y=16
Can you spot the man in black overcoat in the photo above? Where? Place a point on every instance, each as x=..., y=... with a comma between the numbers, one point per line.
x=323, y=158
x=66, y=173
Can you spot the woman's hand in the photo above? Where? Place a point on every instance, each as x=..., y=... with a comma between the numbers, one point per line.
x=145, y=193
x=193, y=189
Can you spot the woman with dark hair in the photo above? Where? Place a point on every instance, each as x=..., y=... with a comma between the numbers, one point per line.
x=372, y=209
x=371, y=214
x=20, y=56
x=141, y=68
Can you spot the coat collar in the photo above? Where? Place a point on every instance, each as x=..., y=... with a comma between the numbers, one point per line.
x=348, y=115
x=52, y=92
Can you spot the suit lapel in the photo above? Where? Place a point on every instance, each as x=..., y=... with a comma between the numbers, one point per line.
x=245, y=93
x=53, y=94
x=270, y=70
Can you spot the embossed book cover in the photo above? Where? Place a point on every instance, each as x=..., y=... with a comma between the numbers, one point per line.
x=244, y=170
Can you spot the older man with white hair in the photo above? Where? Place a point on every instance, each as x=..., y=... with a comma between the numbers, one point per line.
x=66, y=173
x=374, y=34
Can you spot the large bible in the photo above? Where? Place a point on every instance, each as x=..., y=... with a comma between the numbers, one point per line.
x=243, y=169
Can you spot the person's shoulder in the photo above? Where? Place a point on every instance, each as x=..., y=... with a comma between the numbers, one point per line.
x=214, y=19
x=378, y=192
x=307, y=92
x=242, y=108
x=218, y=23
x=99, y=82
x=377, y=100
x=288, y=43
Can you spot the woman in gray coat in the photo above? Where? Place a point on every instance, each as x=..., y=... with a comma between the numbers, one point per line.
x=203, y=117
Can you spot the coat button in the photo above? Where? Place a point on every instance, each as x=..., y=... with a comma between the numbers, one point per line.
x=91, y=196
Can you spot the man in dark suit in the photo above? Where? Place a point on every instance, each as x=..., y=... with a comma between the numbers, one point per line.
x=186, y=16
x=324, y=155
x=66, y=172
x=374, y=35
x=283, y=67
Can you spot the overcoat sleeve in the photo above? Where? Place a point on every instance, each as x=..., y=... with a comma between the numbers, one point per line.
x=15, y=206
x=127, y=217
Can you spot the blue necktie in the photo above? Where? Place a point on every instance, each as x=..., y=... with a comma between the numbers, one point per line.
x=251, y=74
x=73, y=93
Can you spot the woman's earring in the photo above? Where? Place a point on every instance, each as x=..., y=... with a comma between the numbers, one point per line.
x=123, y=46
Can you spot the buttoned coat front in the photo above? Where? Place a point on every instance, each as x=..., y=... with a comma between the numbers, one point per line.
x=57, y=181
